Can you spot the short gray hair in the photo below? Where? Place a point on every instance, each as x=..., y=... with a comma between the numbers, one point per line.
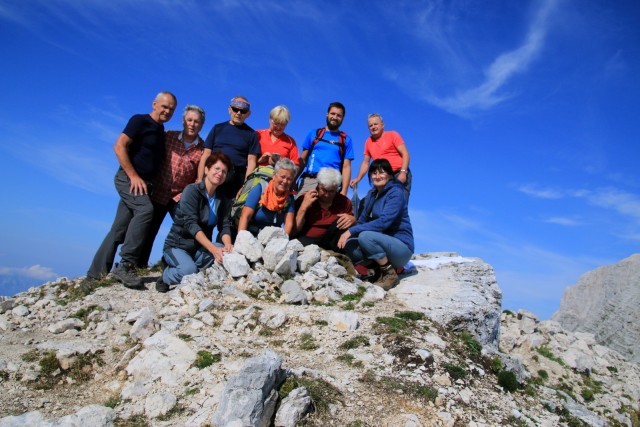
x=374, y=116
x=164, y=92
x=329, y=177
x=285, y=164
x=193, y=108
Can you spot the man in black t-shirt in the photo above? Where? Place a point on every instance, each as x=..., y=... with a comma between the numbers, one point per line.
x=140, y=151
x=237, y=140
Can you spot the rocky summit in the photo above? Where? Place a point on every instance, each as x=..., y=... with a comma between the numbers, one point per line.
x=285, y=335
x=606, y=303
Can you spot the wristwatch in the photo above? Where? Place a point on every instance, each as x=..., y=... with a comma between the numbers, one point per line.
x=403, y=170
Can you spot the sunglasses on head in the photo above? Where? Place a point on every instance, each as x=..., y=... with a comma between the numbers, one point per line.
x=239, y=110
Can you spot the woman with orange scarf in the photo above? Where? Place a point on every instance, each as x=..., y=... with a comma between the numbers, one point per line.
x=275, y=205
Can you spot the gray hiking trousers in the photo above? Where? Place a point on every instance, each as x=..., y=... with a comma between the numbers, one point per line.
x=130, y=228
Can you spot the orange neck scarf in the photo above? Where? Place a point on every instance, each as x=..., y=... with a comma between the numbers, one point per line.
x=271, y=201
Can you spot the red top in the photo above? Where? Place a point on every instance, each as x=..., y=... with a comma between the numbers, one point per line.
x=385, y=147
x=284, y=145
x=179, y=168
x=317, y=220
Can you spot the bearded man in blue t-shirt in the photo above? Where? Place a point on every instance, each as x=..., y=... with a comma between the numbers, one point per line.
x=326, y=148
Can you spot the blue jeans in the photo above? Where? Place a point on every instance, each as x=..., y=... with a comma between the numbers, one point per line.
x=180, y=263
x=374, y=246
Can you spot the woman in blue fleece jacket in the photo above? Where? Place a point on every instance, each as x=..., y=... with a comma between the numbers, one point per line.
x=383, y=232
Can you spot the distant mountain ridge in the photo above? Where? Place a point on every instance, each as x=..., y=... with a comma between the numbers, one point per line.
x=606, y=303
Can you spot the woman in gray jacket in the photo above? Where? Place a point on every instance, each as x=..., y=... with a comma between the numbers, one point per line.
x=189, y=247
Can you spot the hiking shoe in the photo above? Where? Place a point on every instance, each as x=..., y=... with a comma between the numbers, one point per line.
x=125, y=273
x=88, y=285
x=388, y=279
x=161, y=286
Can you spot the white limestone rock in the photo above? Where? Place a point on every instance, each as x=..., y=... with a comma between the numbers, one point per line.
x=156, y=405
x=269, y=233
x=163, y=357
x=92, y=415
x=248, y=245
x=273, y=252
x=309, y=257
x=293, y=407
x=287, y=264
x=144, y=327
x=606, y=303
x=343, y=321
x=250, y=396
x=134, y=315
x=460, y=295
x=373, y=293
x=65, y=325
x=20, y=311
x=273, y=318
x=292, y=293
x=236, y=264
x=326, y=295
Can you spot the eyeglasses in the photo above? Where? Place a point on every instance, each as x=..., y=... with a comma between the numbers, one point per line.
x=239, y=110
x=219, y=171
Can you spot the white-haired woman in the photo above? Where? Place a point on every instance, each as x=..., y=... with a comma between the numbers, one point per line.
x=274, y=206
x=274, y=143
x=322, y=214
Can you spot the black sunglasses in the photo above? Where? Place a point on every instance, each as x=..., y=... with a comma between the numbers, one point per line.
x=239, y=110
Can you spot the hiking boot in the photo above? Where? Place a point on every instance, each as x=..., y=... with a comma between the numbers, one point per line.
x=388, y=278
x=88, y=285
x=125, y=273
x=161, y=286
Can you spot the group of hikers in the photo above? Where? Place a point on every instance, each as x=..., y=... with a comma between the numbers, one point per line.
x=240, y=179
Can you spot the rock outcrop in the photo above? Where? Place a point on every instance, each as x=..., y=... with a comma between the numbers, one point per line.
x=606, y=303
x=459, y=293
x=297, y=339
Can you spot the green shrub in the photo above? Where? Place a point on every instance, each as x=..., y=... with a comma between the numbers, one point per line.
x=84, y=312
x=455, y=372
x=392, y=386
x=205, y=359
x=508, y=381
x=355, y=342
x=474, y=347
x=321, y=392
x=546, y=352
x=307, y=342
x=31, y=355
x=496, y=365
x=49, y=363
x=113, y=401
x=394, y=325
x=355, y=297
x=587, y=394
x=410, y=315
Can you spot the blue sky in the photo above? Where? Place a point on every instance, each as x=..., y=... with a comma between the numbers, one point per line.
x=521, y=117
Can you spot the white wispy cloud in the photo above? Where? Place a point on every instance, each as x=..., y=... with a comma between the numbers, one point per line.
x=36, y=271
x=569, y=222
x=623, y=202
x=507, y=65
x=541, y=193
